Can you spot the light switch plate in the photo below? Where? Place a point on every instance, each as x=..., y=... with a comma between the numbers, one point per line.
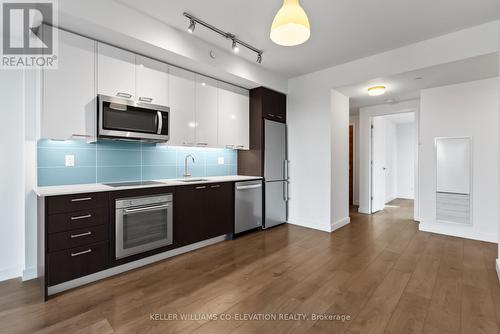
x=69, y=160
x=220, y=160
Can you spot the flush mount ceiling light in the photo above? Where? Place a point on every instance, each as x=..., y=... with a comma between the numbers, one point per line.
x=376, y=90
x=235, y=42
x=290, y=25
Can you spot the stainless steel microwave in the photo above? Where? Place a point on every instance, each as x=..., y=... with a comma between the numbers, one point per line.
x=124, y=119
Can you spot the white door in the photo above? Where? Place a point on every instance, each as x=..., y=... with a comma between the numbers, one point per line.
x=182, y=107
x=69, y=95
x=206, y=111
x=233, y=117
x=115, y=72
x=378, y=148
x=151, y=81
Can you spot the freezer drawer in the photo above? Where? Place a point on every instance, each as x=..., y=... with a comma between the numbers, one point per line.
x=276, y=203
x=247, y=206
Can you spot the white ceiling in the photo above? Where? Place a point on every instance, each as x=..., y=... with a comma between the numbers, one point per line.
x=341, y=30
x=402, y=118
x=407, y=86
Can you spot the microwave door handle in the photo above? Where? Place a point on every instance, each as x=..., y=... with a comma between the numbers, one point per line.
x=159, y=121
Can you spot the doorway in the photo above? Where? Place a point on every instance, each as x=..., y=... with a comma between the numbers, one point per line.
x=392, y=159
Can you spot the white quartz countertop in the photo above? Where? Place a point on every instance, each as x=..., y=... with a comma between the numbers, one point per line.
x=97, y=187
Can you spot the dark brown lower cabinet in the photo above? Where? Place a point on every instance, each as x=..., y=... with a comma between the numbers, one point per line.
x=76, y=262
x=203, y=212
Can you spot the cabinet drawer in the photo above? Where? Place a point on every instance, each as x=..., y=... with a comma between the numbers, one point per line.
x=77, y=220
x=68, y=203
x=77, y=238
x=76, y=262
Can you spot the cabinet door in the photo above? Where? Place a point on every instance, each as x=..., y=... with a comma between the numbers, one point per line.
x=182, y=107
x=115, y=71
x=189, y=209
x=69, y=94
x=151, y=81
x=220, y=214
x=206, y=111
x=233, y=117
x=273, y=105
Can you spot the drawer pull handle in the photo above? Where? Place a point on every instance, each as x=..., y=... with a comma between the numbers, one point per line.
x=240, y=146
x=201, y=187
x=81, y=199
x=73, y=236
x=216, y=186
x=125, y=95
x=81, y=253
x=81, y=217
x=146, y=99
x=271, y=115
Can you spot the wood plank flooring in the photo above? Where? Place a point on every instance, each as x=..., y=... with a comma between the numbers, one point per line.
x=379, y=271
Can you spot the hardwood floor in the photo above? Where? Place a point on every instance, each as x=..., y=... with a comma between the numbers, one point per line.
x=380, y=271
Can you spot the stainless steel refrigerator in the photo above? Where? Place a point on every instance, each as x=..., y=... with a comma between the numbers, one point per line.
x=275, y=174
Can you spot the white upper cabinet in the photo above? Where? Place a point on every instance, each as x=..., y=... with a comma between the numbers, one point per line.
x=206, y=111
x=116, y=72
x=69, y=94
x=234, y=117
x=151, y=81
x=182, y=107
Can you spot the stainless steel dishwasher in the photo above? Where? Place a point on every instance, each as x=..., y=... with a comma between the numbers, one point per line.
x=248, y=206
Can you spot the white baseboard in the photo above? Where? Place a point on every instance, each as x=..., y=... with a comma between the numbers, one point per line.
x=131, y=265
x=340, y=223
x=325, y=227
x=363, y=210
x=498, y=268
x=29, y=273
x=456, y=230
x=9, y=273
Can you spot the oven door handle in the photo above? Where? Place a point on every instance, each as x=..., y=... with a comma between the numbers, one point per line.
x=160, y=122
x=145, y=209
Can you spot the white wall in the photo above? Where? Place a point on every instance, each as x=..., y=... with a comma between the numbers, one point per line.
x=11, y=174
x=405, y=160
x=309, y=106
x=467, y=109
x=339, y=160
x=354, y=120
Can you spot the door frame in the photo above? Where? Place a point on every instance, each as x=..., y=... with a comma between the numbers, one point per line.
x=365, y=147
x=354, y=162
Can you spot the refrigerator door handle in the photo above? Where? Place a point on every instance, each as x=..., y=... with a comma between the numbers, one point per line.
x=287, y=198
x=285, y=172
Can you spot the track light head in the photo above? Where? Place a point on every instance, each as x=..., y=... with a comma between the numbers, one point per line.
x=235, y=47
x=259, y=58
x=192, y=26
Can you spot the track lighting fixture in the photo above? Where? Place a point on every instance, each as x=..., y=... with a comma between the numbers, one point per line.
x=235, y=45
x=192, y=26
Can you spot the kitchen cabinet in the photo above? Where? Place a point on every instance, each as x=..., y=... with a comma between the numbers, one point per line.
x=202, y=212
x=115, y=72
x=206, y=111
x=152, y=81
x=233, y=129
x=273, y=105
x=182, y=107
x=69, y=92
x=264, y=104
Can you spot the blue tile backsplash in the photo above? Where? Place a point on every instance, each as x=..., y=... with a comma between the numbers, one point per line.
x=114, y=161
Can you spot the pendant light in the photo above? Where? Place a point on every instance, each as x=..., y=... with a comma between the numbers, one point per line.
x=290, y=25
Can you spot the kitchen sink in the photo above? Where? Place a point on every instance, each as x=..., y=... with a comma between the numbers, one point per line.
x=192, y=180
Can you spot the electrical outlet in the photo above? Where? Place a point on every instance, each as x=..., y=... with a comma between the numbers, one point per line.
x=69, y=160
x=220, y=160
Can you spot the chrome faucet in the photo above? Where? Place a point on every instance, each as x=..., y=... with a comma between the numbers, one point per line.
x=186, y=172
